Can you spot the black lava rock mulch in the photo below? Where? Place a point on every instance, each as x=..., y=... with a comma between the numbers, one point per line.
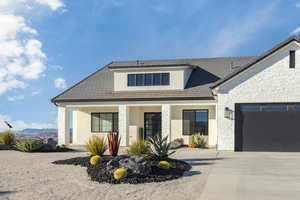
x=100, y=174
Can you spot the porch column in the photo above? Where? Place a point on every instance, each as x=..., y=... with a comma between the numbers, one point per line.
x=74, y=126
x=123, y=124
x=166, y=121
x=63, y=126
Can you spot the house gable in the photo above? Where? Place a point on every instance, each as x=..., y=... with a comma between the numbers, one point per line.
x=271, y=76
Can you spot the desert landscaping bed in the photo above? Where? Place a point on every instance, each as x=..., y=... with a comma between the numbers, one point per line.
x=101, y=174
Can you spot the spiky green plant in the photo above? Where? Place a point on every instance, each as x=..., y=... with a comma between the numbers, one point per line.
x=139, y=148
x=160, y=146
x=113, y=143
x=29, y=145
x=8, y=138
x=197, y=141
x=96, y=145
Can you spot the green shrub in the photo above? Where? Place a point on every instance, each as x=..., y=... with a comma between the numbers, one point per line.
x=8, y=138
x=197, y=141
x=160, y=146
x=29, y=145
x=96, y=145
x=139, y=148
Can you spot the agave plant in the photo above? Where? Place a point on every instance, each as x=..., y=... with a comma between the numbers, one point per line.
x=160, y=146
x=113, y=143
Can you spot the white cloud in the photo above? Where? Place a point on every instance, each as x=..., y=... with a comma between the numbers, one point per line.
x=20, y=125
x=237, y=32
x=296, y=31
x=60, y=83
x=35, y=92
x=21, y=55
x=53, y=4
x=16, y=98
x=298, y=4
x=56, y=67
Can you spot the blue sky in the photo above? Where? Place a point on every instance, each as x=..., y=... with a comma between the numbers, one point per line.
x=52, y=44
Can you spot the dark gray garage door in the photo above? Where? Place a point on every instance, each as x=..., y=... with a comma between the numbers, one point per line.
x=267, y=127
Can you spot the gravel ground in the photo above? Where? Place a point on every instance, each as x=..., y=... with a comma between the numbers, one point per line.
x=30, y=176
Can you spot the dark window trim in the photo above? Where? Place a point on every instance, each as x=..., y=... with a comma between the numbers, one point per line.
x=292, y=58
x=99, y=113
x=207, y=110
x=152, y=84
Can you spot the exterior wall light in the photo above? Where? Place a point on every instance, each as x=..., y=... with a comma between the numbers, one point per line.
x=227, y=113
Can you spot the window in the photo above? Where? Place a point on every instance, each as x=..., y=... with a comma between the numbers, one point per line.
x=165, y=79
x=275, y=107
x=131, y=80
x=148, y=79
x=140, y=79
x=292, y=59
x=195, y=122
x=104, y=122
x=250, y=107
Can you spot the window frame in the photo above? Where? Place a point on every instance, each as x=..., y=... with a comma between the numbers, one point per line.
x=195, y=110
x=292, y=59
x=113, y=122
x=160, y=79
x=134, y=79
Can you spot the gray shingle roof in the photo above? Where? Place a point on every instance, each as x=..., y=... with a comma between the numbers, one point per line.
x=99, y=85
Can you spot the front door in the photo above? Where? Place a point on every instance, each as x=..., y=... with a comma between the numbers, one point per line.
x=152, y=124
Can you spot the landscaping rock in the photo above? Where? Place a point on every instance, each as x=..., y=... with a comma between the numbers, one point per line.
x=101, y=174
x=134, y=164
x=51, y=143
x=175, y=145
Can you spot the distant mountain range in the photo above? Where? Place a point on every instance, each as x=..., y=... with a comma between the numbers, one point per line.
x=37, y=131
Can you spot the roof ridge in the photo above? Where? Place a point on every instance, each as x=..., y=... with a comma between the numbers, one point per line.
x=202, y=58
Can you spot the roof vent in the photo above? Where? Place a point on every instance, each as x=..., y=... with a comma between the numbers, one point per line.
x=138, y=62
x=233, y=67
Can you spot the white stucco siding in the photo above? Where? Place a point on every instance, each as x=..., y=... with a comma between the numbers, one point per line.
x=269, y=81
x=83, y=123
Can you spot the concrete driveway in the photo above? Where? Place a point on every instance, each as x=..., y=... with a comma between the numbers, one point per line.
x=245, y=175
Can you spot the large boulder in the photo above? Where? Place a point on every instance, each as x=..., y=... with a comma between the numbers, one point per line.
x=49, y=145
x=133, y=164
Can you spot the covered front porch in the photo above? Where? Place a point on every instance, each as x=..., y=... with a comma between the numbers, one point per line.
x=78, y=122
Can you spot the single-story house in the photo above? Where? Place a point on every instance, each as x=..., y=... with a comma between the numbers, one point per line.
x=237, y=103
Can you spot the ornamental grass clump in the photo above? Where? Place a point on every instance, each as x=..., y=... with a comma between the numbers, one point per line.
x=96, y=145
x=29, y=145
x=164, y=164
x=113, y=143
x=197, y=141
x=8, y=138
x=120, y=173
x=139, y=148
x=95, y=159
x=160, y=147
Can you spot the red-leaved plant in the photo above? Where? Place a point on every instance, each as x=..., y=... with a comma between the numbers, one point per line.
x=113, y=143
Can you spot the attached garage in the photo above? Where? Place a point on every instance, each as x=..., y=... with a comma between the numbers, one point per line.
x=267, y=127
